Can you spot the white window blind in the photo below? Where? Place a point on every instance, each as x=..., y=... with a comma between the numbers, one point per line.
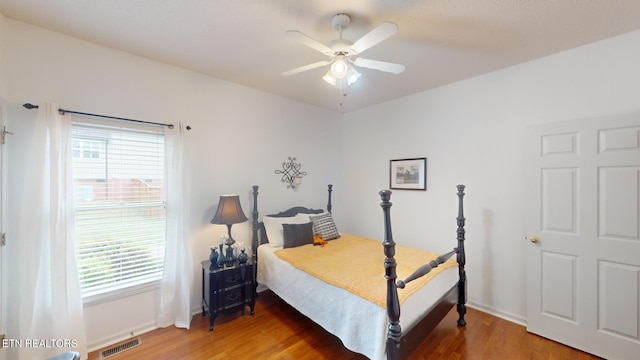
x=120, y=225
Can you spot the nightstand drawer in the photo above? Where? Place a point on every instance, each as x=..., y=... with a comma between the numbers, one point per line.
x=230, y=278
x=230, y=298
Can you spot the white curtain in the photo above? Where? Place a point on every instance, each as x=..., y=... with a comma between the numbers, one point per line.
x=177, y=282
x=48, y=304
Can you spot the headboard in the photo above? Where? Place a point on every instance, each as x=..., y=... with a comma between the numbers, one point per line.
x=259, y=233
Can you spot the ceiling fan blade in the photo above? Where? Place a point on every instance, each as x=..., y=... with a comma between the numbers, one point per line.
x=305, y=68
x=380, y=33
x=304, y=39
x=379, y=65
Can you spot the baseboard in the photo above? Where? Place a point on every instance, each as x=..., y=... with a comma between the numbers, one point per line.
x=499, y=313
x=116, y=338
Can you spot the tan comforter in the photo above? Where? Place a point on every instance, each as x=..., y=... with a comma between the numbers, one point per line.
x=356, y=264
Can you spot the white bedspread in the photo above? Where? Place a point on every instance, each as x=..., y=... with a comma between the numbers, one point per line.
x=360, y=324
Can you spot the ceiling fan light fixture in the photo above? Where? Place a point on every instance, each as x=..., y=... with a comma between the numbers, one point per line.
x=329, y=78
x=339, y=68
x=340, y=83
x=352, y=75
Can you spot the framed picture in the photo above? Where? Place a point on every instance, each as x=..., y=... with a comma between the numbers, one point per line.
x=408, y=174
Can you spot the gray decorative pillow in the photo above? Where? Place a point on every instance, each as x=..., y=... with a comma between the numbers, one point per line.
x=324, y=226
x=297, y=234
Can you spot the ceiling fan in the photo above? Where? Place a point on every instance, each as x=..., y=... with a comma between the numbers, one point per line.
x=342, y=53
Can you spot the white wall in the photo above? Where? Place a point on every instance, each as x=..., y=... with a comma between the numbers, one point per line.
x=473, y=133
x=239, y=137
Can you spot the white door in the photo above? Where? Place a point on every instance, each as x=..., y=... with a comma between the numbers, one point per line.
x=583, y=253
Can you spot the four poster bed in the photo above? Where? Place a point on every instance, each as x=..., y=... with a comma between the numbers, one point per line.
x=337, y=293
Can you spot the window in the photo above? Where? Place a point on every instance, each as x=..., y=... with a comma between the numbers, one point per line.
x=120, y=225
x=88, y=149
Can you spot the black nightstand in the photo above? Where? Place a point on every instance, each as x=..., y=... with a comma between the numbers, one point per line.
x=227, y=289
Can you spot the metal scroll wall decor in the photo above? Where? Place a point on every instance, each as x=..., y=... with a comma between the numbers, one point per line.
x=291, y=174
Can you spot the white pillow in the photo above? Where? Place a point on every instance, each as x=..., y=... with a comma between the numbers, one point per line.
x=273, y=227
x=305, y=217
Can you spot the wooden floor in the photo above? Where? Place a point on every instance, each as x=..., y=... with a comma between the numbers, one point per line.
x=277, y=331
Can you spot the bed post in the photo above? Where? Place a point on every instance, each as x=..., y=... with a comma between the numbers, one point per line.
x=330, y=189
x=462, y=283
x=254, y=238
x=393, y=303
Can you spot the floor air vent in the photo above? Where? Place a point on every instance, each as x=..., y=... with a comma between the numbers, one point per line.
x=107, y=353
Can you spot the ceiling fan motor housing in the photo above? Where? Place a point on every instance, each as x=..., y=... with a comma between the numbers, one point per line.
x=341, y=47
x=340, y=21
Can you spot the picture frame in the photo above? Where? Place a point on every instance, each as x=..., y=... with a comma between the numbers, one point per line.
x=408, y=174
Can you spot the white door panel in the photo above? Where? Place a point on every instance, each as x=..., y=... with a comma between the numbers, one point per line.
x=559, y=200
x=559, y=292
x=583, y=276
x=618, y=315
x=618, y=202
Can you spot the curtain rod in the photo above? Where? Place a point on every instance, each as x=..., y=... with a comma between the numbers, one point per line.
x=63, y=111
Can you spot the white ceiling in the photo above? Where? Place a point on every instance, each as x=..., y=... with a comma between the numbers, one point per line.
x=439, y=41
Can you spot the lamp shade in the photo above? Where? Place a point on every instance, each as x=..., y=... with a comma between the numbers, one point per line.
x=229, y=211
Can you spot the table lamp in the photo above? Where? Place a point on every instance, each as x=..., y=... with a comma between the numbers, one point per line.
x=229, y=212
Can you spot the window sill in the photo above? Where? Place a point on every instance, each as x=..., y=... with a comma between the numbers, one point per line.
x=91, y=300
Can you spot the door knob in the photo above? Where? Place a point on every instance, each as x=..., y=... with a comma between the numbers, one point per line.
x=534, y=239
